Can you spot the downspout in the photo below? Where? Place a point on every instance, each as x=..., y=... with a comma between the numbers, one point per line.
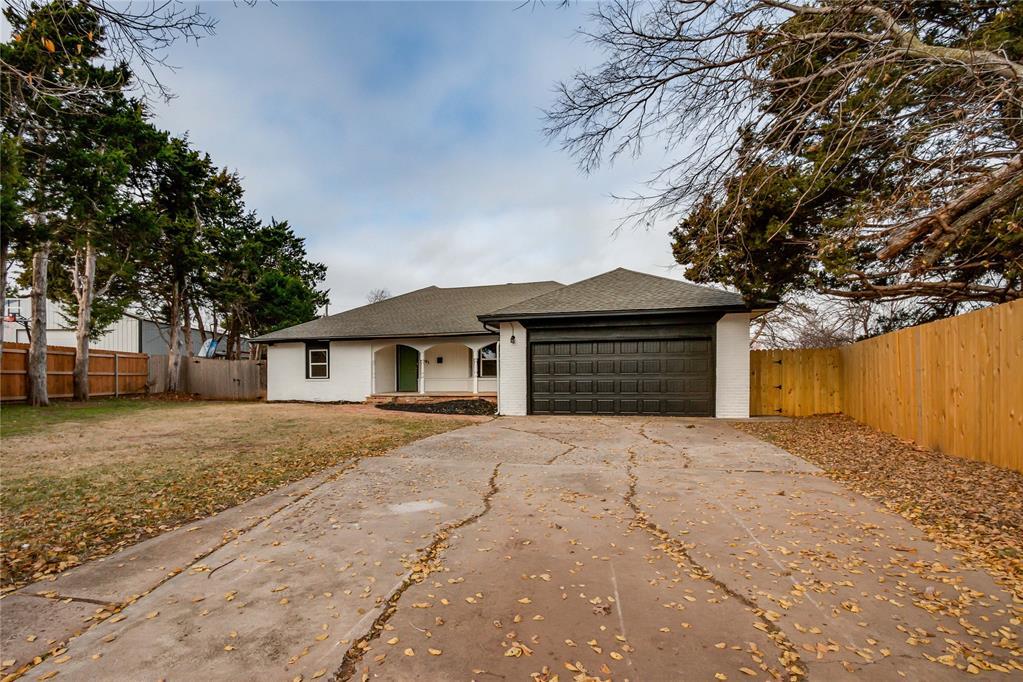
x=498, y=377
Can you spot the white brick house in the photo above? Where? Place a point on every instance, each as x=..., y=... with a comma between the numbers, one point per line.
x=619, y=343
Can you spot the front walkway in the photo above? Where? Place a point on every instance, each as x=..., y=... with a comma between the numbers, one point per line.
x=626, y=548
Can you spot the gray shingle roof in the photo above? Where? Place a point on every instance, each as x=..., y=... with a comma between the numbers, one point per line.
x=432, y=311
x=617, y=291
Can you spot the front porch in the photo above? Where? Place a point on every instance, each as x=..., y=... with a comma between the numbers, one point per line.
x=431, y=370
x=431, y=397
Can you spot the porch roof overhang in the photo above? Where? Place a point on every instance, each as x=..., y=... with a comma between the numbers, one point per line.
x=378, y=337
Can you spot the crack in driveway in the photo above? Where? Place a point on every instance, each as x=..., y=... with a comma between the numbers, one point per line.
x=425, y=560
x=679, y=552
x=571, y=446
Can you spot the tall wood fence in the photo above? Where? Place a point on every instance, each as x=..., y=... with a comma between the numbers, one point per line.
x=111, y=373
x=954, y=385
x=796, y=383
x=216, y=379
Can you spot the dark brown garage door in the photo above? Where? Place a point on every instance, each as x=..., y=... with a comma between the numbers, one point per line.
x=662, y=376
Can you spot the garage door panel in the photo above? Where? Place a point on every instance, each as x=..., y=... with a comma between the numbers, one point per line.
x=649, y=406
x=629, y=367
x=696, y=365
x=691, y=386
x=696, y=346
x=584, y=367
x=675, y=406
x=650, y=376
x=628, y=406
x=651, y=386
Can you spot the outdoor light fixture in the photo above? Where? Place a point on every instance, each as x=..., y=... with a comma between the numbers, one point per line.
x=512, y=339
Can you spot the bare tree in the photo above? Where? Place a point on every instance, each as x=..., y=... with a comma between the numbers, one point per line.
x=822, y=321
x=377, y=295
x=812, y=323
x=937, y=91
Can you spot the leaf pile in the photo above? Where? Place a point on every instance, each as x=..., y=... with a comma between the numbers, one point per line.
x=89, y=487
x=973, y=507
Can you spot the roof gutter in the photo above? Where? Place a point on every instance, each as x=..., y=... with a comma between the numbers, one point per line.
x=371, y=337
x=508, y=317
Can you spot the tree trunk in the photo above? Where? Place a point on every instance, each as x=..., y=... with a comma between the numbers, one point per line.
x=38, y=393
x=186, y=328
x=233, y=340
x=84, y=288
x=174, y=343
x=3, y=292
x=199, y=322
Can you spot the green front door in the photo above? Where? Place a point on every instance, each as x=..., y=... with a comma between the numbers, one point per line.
x=408, y=369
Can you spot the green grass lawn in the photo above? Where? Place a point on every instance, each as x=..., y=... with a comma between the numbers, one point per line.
x=19, y=420
x=82, y=481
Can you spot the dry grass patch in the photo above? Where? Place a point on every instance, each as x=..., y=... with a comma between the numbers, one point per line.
x=973, y=507
x=83, y=483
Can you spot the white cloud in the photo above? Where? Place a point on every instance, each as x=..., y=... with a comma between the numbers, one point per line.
x=403, y=140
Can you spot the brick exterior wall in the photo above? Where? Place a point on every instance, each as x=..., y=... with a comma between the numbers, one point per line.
x=512, y=371
x=732, y=373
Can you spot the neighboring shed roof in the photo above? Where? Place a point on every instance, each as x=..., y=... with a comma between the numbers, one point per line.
x=432, y=311
x=622, y=291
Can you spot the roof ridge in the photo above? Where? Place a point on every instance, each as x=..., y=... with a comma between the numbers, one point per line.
x=367, y=305
x=687, y=292
x=669, y=279
x=505, y=284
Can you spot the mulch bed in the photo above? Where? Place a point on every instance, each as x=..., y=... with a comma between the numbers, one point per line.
x=445, y=407
x=972, y=507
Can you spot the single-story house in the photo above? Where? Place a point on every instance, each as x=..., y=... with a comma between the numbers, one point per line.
x=622, y=342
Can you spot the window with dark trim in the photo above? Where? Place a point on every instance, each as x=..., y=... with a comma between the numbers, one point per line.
x=488, y=361
x=317, y=360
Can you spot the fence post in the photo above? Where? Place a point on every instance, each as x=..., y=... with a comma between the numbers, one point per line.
x=117, y=382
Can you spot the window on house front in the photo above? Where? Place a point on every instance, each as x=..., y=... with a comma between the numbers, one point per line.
x=488, y=361
x=317, y=360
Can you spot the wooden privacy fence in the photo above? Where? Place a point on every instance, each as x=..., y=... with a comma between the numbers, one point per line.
x=212, y=378
x=796, y=383
x=110, y=372
x=955, y=385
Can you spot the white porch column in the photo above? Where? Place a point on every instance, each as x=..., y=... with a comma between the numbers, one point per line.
x=372, y=369
x=475, y=370
x=422, y=372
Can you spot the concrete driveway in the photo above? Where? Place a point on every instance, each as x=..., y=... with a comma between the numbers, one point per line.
x=529, y=548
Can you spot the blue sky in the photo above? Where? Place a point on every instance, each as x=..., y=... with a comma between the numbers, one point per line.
x=403, y=140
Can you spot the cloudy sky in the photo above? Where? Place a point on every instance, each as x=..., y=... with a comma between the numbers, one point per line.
x=403, y=140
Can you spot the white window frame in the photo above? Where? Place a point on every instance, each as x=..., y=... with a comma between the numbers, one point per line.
x=309, y=364
x=480, y=361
